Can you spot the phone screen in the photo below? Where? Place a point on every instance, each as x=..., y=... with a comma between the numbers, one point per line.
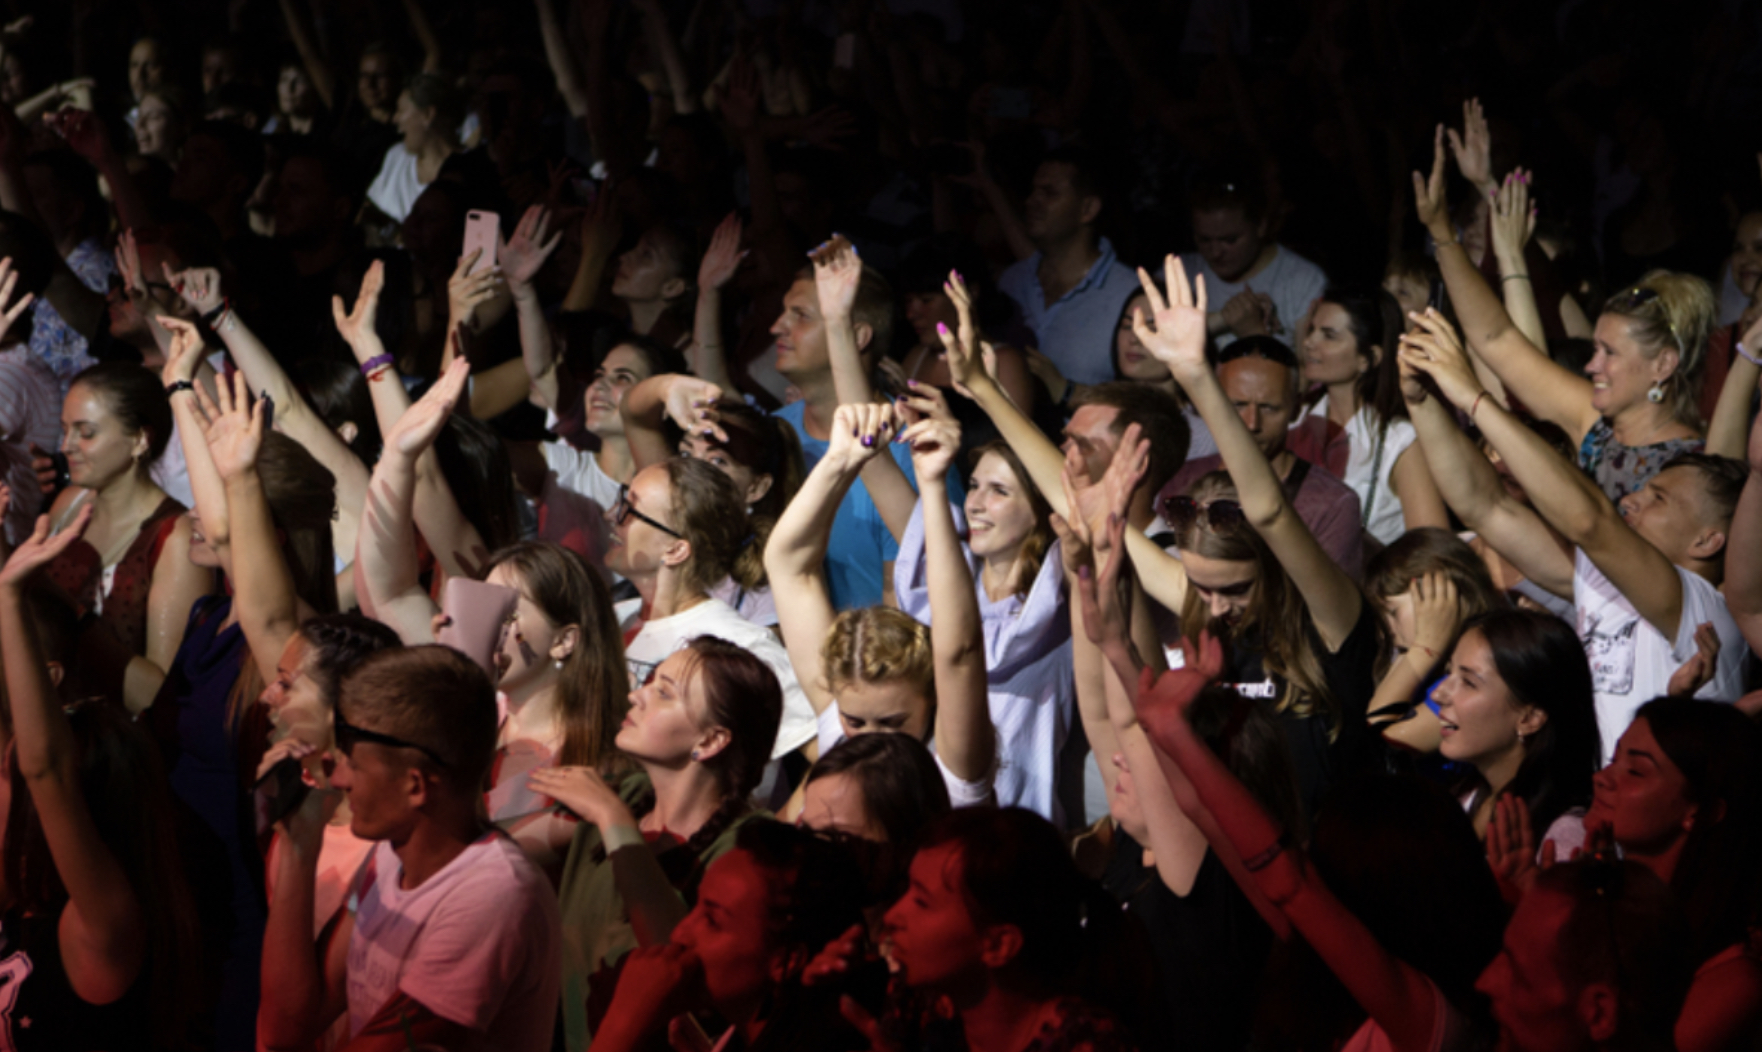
x=482, y=231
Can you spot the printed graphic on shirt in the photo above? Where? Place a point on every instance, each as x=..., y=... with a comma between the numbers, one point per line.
x=1264, y=690
x=14, y=970
x=1611, y=650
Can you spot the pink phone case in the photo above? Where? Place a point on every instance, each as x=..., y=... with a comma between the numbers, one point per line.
x=482, y=231
x=479, y=611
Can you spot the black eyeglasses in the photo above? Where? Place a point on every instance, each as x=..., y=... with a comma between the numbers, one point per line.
x=1181, y=512
x=348, y=736
x=623, y=511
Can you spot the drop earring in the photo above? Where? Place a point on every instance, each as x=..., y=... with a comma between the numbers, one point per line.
x=1655, y=394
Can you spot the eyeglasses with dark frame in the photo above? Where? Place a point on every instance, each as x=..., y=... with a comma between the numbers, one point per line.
x=623, y=511
x=348, y=736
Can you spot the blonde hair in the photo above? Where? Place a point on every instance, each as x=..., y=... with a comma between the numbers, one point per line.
x=878, y=644
x=1671, y=311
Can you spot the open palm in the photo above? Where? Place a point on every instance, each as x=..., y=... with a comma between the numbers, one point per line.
x=358, y=323
x=523, y=254
x=1178, y=339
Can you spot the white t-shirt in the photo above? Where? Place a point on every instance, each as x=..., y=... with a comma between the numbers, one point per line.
x=395, y=189
x=1292, y=281
x=579, y=471
x=754, y=604
x=961, y=793
x=478, y=944
x=1368, y=474
x=1632, y=662
x=713, y=617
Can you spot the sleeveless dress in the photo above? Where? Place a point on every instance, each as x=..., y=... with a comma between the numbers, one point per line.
x=123, y=605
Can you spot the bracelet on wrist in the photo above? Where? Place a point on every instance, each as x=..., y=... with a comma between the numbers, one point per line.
x=177, y=386
x=1476, y=404
x=376, y=363
x=212, y=316
x=1747, y=355
x=1514, y=277
x=1265, y=858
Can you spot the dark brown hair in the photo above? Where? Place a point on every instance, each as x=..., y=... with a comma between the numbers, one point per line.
x=432, y=696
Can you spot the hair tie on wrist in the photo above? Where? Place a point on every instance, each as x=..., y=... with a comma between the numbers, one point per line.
x=210, y=317
x=178, y=385
x=1746, y=355
x=1514, y=277
x=1265, y=858
x=375, y=363
x=1476, y=404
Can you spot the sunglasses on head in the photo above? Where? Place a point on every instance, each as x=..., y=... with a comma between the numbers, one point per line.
x=624, y=511
x=1181, y=512
x=1637, y=299
x=348, y=736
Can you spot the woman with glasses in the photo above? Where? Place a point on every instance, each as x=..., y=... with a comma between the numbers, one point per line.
x=676, y=532
x=1638, y=404
x=1298, y=635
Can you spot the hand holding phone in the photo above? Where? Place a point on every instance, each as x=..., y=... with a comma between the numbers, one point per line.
x=483, y=233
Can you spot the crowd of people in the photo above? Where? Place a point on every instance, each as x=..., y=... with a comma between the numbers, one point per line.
x=890, y=525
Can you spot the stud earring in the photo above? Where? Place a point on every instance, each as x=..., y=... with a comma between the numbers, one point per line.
x=696, y=755
x=1655, y=394
x=559, y=664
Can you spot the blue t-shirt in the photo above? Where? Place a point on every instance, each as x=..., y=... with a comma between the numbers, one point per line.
x=860, y=543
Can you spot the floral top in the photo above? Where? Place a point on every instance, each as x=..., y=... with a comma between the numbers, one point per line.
x=1620, y=469
x=53, y=341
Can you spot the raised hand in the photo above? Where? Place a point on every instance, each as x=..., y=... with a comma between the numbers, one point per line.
x=1130, y=463
x=1511, y=847
x=40, y=548
x=922, y=402
x=723, y=257
x=583, y=792
x=1428, y=194
x=1437, y=613
x=1514, y=216
x=1698, y=670
x=466, y=291
x=1164, y=699
x=691, y=403
x=526, y=251
x=859, y=433
x=1178, y=340
x=128, y=264
x=1075, y=544
x=1413, y=386
x=357, y=326
x=1473, y=149
x=934, y=442
x=235, y=427
x=8, y=282
x=199, y=286
x=417, y=429
x=184, y=356
x=838, y=273
x=1436, y=350
x=1106, y=615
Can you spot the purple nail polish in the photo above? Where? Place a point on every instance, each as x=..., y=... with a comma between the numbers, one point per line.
x=941, y=328
x=911, y=383
x=868, y=441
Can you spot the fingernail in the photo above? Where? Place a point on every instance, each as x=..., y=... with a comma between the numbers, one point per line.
x=914, y=383
x=868, y=441
x=941, y=328
x=959, y=278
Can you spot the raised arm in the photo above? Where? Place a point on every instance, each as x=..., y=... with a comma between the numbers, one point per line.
x=1163, y=576
x=1467, y=480
x=1743, y=550
x=561, y=62
x=1395, y=994
x=425, y=36
x=101, y=931
x=268, y=606
x=1553, y=393
x=522, y=256
x=795, y=555
x=708, y=358
x=664, y=47
x=1731, y=416
x=1514, y=223
x=1178, y=340
x=385, y=562
x=688, y=400
x=316, y=68
x=449, y=534
x=1562, y=494
x=965, y=738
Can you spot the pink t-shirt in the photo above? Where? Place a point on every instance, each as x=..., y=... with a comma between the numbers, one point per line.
x=477, y=944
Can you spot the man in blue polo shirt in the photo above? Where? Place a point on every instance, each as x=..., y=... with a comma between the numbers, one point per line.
x=1072, y=290
x=859, y=556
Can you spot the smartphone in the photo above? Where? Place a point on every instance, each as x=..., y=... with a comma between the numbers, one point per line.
x=278, y=793
x=483, y=230
x=478, y=613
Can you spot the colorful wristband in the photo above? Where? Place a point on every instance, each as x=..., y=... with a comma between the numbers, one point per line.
x=376, y=363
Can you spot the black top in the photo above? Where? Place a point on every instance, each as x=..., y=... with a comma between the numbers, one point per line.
x=1210, y=946
x=1350, y=672
x=38, y=1006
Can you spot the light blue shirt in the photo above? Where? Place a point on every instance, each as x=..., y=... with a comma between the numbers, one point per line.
x=860, y=544
x=1076, y=331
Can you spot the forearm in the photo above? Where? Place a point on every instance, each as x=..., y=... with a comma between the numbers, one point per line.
x=131, y=207
x=1045, y=464
x=309, y=56
x=644, y=411
x=666, y=48
x=1563, y=495
x=500, y=388
x=1743, y=560
x=290, y=1014
x=42, y=740
x=205, y=482
x=964, y=735
x=654, y=908
x=848, y=378
x=1465, y=479
x=1519, y=294
x=537, y=353
x=584, y=291
x=1258, y=488
x=708, y=357
x=385, y=554
x=561, y=62
x=263, y=586
x=891, y=494
x=1729, y=429
x=425, y=35
x=797, y=546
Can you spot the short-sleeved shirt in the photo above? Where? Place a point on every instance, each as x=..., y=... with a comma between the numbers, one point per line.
x=1632, y=662
x=860, y=544
x=1077, y=330
x=477, y=944
x=1292, y=281
x=1363, y=455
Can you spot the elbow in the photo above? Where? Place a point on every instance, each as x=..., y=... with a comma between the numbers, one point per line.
x=1264, y=515
x=1588, y=520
